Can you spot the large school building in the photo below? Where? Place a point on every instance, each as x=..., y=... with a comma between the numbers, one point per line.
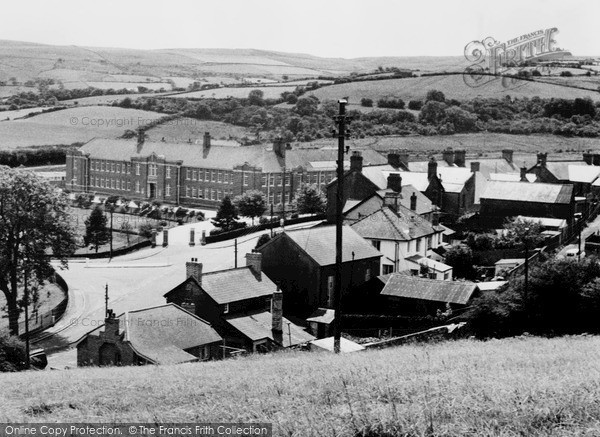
x=199, y=173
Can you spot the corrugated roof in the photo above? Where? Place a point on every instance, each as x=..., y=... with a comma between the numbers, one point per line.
x=233, y=285
x=385, y=224
x=259, y=326
x=162, y=334
x=413, y=287
x=319, y=243
x=527, y=192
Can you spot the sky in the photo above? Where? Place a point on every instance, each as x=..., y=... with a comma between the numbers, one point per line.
x=329, y=28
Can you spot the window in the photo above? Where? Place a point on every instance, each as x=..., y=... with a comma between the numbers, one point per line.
x=137, y=169
x=152, y=169
x=271, y=180
x=376, y=244
x=367, y=274
x=429, y=241
x=204, y=353
x=187, y=191
x=137, y=186
x=446, y=276
x=278, y=198
x=418, y=245
x=206, y=195
x=213, y=176
x=245, y=179
x=193, y=192
x=387, y=269
x=112, y=167
x=279, y=180
x=219, y=194
x=264, y=180
x=118, y=184
x=287, y=180
x=212, y=194
x=271, y=198
x=226, y=178
x=220, y=176
x=188, y=174
x=129, y=185
x=168, y=173
x=194, y=175
x=118, y=168
x=168, y=190
x=225, y=308
x=200, y=175
x=207, y=176
x=103, y=165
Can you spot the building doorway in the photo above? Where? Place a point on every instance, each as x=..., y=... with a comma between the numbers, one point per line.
x=151, y=191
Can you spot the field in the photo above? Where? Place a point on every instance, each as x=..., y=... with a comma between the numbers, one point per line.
x=130, y=85
x=70, y=126
x=107, y=100
x=453, y=86
x=270, y=92
x=182, y=129
x=514, y=387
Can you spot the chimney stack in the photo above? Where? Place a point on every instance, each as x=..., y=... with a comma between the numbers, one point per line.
x=432, y=168
x=524, y=174
x=254, y=261
x=194, y=269
x=394, y=182
x=413, y=201
x=398, y=158
x=277, y=310
x=435, y=219
x=507, y=154
x=596, y=159
x=111, y=324
x=587, y=157
x=279, y=147
x=448, y=156
x=206, y=140
x=475, y=166
x=356, y=161
x=391, y=200
x=141, y=137
x=541, y=159
x=460, y=157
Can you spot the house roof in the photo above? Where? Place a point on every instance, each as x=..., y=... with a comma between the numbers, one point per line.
x=512, y=177
x=322, y=315
x=419, y=180
x=162, y=334
x=346, y=346
x=376, y=175
x=319, y=243
x=491, y=285
x=424, y=205
x=413, y=287
x=526, y=192
x=432, y=264
x=233, y=285
x=258, y=326
x=222, y=157
x=385, y=224
x=560, y=169
x=509, y=261
x=546, y=222
x=583, y=173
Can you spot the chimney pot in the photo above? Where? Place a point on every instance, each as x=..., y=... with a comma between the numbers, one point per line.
x=194, y=269
x=413, y=201
x=206, y=140
x=475, y=166
x=448, y=156
x=432, y=168
x=460, y=157
x=507, y=154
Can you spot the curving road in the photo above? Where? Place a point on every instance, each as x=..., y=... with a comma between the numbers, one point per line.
x=137, y=280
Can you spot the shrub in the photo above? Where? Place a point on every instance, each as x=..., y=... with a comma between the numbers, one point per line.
x=12, y=353
x=145, y=230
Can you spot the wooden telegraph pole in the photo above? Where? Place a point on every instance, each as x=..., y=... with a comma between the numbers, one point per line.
x=341, y=120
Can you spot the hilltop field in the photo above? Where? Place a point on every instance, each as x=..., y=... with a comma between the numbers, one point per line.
x=454, y=87
x=514, y=387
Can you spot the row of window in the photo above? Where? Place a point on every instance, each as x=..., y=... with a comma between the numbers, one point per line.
x=206, y=193
x=220, y=176
x=112, y=167
x=114, y=184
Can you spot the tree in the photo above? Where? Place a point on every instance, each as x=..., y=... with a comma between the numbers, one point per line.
x=256, y=98
x=96, y=229
x=127, y=228
x=310, y=200
x=13, y=356
x=263, y=239
x=461, y=259
x=227, y=216
x=251, y=204
x=307, y=105
x=521, y=232
x=436, y=96
x=366, y=102
x=34, y=221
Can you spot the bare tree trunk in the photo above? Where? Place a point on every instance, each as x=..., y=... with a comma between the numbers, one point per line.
x=13, y=312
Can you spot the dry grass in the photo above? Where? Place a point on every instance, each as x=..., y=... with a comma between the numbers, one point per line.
x=514, y=387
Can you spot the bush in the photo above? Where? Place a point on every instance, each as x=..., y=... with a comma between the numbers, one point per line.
x=13, y=356
x=415, y=105
x=145, y=230
x=368, y=103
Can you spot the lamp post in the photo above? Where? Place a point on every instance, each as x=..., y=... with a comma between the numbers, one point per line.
x=579, y=217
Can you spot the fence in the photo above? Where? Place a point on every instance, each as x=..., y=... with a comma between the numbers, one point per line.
x=136, y=243
x=251, y=229
x=38, y=322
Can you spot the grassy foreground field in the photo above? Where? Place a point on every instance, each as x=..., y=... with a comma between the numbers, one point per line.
x=514, y=387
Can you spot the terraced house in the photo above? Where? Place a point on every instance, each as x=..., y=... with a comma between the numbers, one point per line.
x=199, y=173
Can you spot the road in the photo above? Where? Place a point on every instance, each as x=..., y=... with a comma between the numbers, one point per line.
x=137, y=280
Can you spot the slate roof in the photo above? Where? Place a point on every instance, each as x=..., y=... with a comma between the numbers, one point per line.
x=418, y=180
x=375, y=174
x=527, y=192
x=234, y=285
x=222, y=157
x=424, y=205
x=162, y=334
x=385, y=224
x=512, y=177
x=413, y=287
x=560, y=169
x=319, y=243
x=583, y=173
x=258, y=326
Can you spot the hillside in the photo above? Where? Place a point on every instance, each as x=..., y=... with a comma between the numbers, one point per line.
x=71, y=125
x=453, y=86
x=82, y=66
x=521, y=386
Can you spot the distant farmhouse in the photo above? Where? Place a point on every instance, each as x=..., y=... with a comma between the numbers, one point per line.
x=198, y=174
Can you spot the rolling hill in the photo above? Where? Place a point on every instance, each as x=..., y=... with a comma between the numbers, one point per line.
x=453, y=86
x=520, y=386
